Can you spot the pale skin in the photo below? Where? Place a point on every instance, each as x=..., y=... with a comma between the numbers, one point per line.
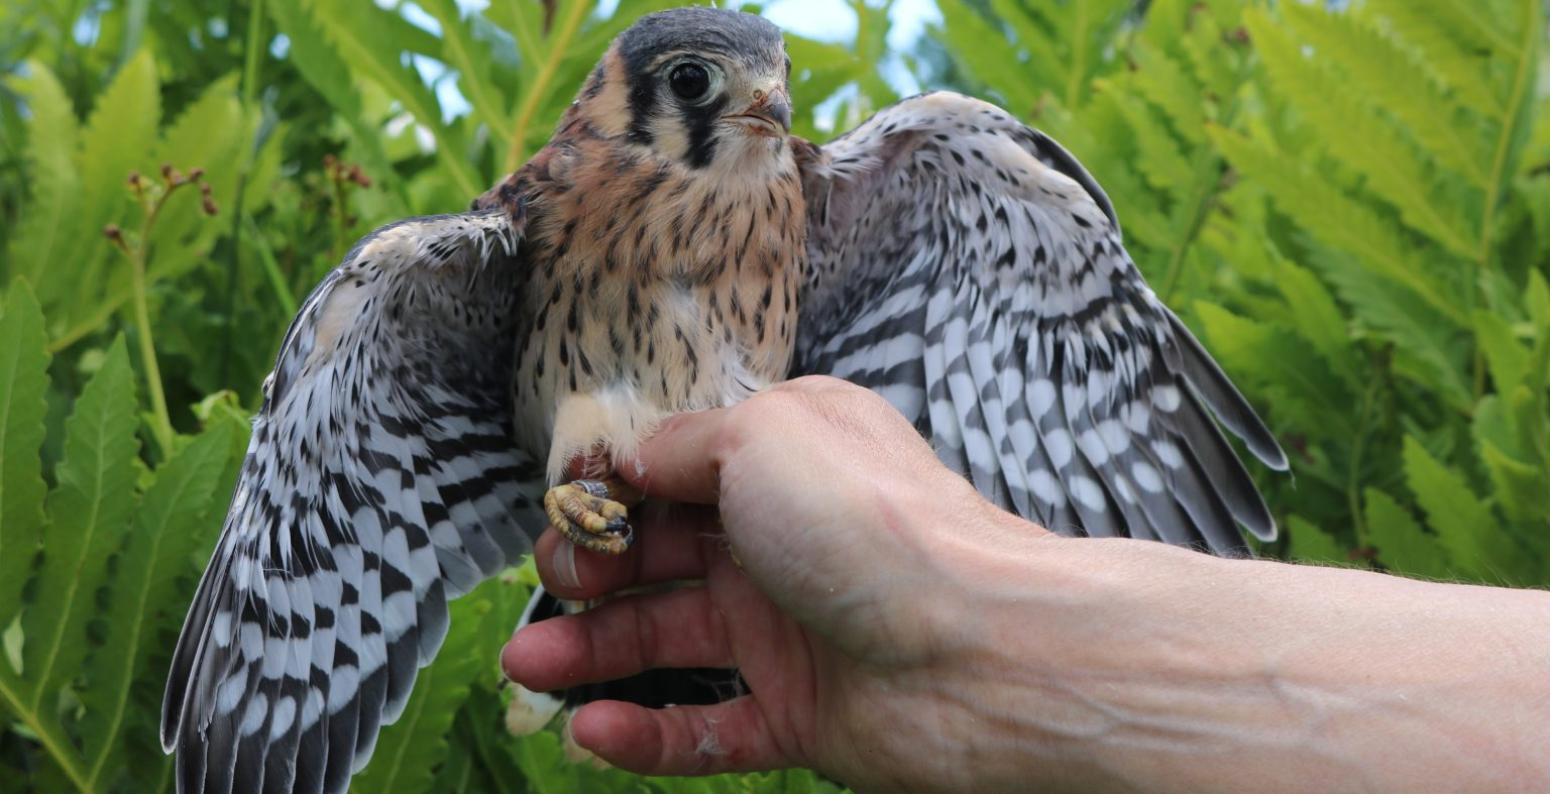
x=899, y=633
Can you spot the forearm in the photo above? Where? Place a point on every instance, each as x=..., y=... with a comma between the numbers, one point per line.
x=1141, y=666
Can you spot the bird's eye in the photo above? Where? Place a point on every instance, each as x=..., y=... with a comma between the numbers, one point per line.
x=689, y=81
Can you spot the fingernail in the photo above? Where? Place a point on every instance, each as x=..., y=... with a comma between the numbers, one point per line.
x=565, y=565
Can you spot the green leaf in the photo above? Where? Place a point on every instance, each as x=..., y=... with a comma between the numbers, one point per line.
x=213, y=133
x=1162, y=161
x=1504, y=430
x=1349, y=132
x=50, y=221
x=1402, y=545
x=1537, y=297
x=1463, y=523
x=541, y=757
x=1443, y=57
x=1335, y=219
x=1305, y=392
x=984, y=53
x=317, y=59
x=179, y=509
x=409, y=750
x=89, y=511
x=326, y=71
x=1317, y=318
x=1428, y=349
x=23, y=383
x=1508, y=360
x=471, y=58
x=1384, y=74
x=1519, y=487
x=119, y=138
x=356, y=31
x=1165, y=84
x=1311, y=544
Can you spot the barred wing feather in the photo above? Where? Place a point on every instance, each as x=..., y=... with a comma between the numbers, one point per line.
x=381, y=481
x=971, y=271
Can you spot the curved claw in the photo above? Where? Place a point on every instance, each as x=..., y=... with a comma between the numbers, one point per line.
x=586, y=513
x=615, y=540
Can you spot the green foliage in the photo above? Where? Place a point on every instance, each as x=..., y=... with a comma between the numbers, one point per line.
x=110, y=551
x=1351, y=208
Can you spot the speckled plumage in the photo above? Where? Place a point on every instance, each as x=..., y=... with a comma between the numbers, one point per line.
x=672, y=250
x=657, y=287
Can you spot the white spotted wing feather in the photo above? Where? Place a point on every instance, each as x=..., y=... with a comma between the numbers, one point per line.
x=968, y=269
x=381, y=480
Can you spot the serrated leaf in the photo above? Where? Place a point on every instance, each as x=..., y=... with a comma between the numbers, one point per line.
x=1202, y=44
x=1462, y=521
x=471, y=57
x=1537, y=296
x=1335, y=219
x=1161, y=160
x=541, y=758
x=119, y=138
x=1384, y=74
x=1309, y=543
x=1317, y=318
x=1519, y=487
x=1307, y=395
x=1443, y=57
x=89, y=511
x=984, y=53
x=356, y=32
x=214, y=134
x=1403, y=547
x=1507, y=359
x=315, y=57
x=48, y=223
x=23, y=384
x=183, y=499
x=1428, y=349
x=409, y=750
x=1349, y=132
x=326, y=71
x=1164, y=83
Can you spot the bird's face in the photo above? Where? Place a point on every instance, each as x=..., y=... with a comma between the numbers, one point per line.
x=702, y=86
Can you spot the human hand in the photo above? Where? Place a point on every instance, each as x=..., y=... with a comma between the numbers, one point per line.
x=899, y=633
x=838, y=513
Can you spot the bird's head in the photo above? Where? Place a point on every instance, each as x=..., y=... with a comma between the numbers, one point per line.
x=706, y=87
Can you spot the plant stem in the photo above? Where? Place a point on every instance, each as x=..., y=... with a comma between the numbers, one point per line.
x=1078, y=55
x=79, y=331
x=1354, y=472
x=161, y=425
x=1207, y=177
x=1527, y=62
x=161, y=421
x=58, y=746
x=539, y=89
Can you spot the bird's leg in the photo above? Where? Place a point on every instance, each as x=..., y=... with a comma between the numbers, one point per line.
x=591, y=513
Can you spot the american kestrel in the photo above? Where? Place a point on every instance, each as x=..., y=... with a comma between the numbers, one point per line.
x=673, y=248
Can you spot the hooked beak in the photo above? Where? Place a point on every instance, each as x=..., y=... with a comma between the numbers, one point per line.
x=769, y=115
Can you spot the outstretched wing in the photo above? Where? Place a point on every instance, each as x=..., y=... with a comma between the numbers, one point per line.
x=971, y=271
x=381, y=480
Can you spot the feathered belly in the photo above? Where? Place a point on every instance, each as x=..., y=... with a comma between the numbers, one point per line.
x=603, y=389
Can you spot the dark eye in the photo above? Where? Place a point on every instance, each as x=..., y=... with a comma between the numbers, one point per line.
x=689, y=81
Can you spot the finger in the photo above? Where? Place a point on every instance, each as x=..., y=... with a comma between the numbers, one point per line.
x=683, y=740
x=680, y=628
x=679, y=463
x=672, y=542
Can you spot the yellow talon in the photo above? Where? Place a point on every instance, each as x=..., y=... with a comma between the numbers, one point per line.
x=591, y=513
